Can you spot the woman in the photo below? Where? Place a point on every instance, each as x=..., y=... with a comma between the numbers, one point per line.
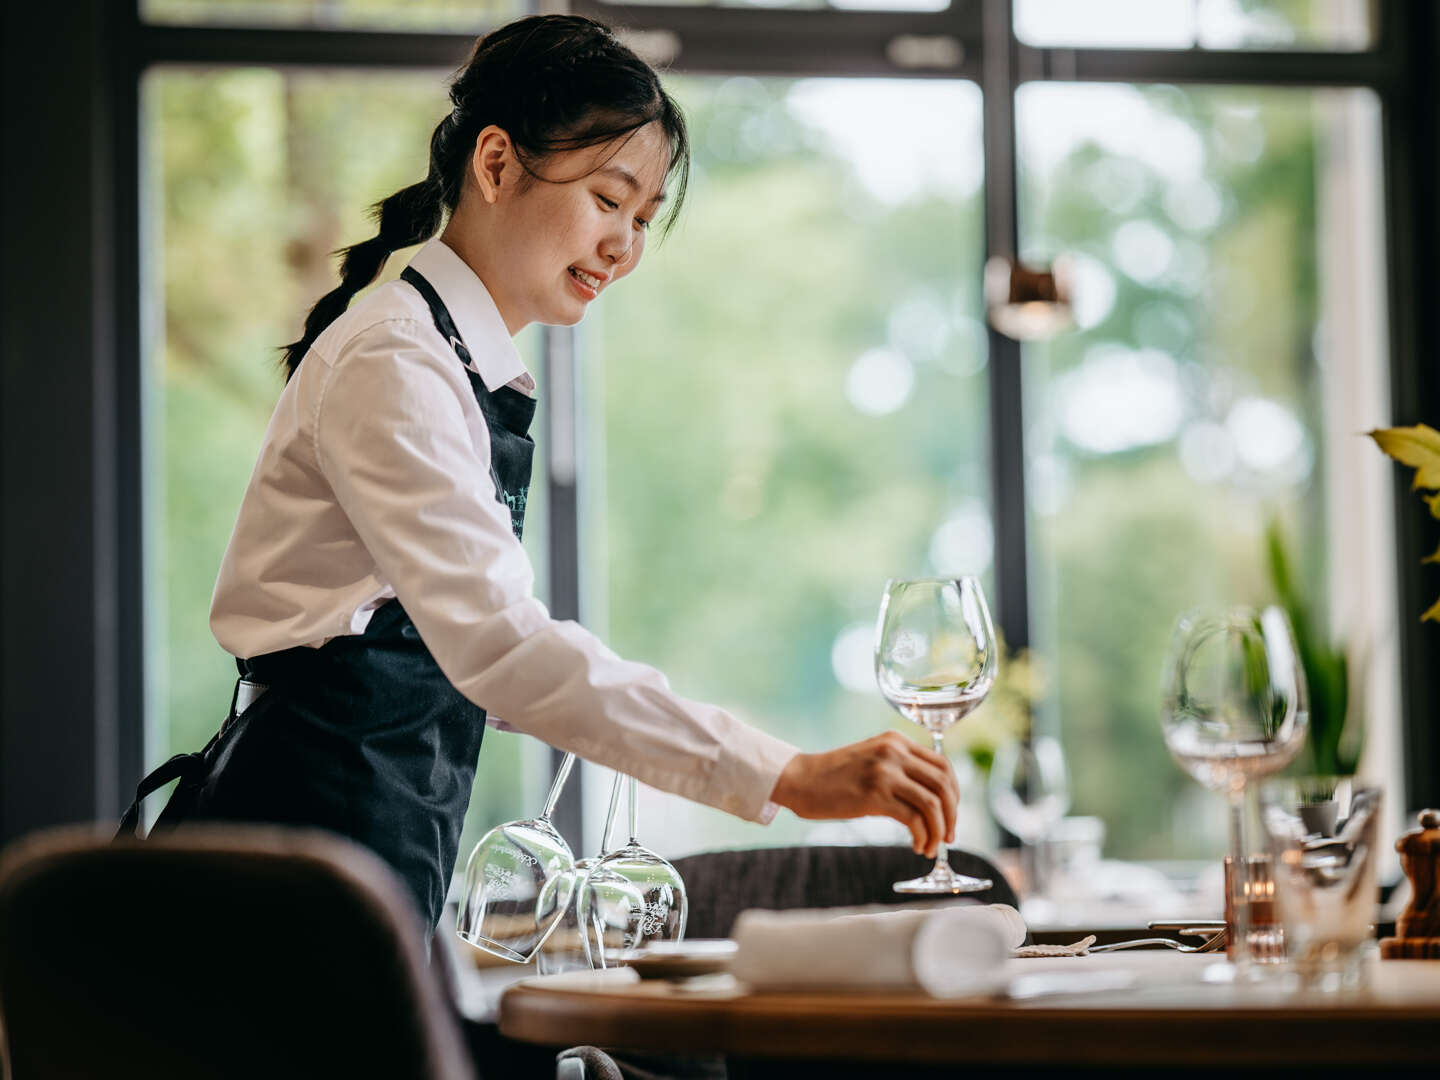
x=374, y=590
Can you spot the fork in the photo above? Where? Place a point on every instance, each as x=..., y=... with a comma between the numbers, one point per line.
x=1213, y=943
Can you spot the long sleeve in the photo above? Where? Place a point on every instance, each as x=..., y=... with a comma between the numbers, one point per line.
x=397, y=437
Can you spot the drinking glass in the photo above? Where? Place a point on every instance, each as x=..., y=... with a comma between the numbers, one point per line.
x=1324, y=840
x=1235, y=709
x=564, y=949
x=518, y=882
x=935, y=659
x=631, y=896
x=1029, y=793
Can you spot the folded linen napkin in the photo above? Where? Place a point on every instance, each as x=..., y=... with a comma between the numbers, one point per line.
x=943, y=950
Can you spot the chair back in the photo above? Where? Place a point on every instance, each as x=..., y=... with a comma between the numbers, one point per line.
x=215, y=951
x=721, y=884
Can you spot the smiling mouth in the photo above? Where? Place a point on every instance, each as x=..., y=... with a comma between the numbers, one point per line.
x=588, y=280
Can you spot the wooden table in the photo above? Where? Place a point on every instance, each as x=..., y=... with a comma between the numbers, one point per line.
x=1170, y=1019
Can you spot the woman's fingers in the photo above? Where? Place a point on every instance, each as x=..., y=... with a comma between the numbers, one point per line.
x=939, y=777
x=886, y=774
x=923, y=806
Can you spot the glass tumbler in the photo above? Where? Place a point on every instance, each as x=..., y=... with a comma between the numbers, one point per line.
x=1323, y=834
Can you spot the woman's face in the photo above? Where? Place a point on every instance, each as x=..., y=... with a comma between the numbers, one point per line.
x=558, y=243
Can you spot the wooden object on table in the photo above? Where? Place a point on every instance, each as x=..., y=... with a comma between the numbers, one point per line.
x=1417, y=931
x=1169, y=1018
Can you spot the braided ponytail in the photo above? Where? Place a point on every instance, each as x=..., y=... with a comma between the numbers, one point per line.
x=553, y=82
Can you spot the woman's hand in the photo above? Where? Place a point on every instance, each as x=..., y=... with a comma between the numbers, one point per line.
x=887, y=774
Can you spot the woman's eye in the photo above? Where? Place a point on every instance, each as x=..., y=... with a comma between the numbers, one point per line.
x=642, y=222
x=609, y=204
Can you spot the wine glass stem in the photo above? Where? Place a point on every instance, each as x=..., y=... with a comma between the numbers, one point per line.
x=1238, y=882
x=610, y=815
x=942, y=851
x=634, y=811
x=557, y=785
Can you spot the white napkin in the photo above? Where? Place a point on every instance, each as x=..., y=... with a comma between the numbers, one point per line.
x=945, y=951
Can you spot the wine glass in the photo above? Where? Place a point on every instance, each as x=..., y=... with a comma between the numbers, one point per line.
x=1235, y=709
x=565, y=948
x=632, y=896
x=935, y=658
x=1029, y=793
x=518, y=882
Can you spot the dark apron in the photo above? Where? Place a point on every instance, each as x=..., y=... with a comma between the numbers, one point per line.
x=364, y=736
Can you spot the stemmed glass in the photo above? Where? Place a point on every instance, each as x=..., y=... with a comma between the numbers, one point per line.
x=1235, y=709
x=1029, y=793
x=518, y=882
x=566, y=948
x=631, y=896
x=935, y=660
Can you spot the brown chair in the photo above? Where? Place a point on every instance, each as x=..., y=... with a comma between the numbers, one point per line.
x=217, y=952
x=721, y=884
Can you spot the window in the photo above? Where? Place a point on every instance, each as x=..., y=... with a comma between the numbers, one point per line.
x=1207, y=24
x=1225, y=249
x=790, y=406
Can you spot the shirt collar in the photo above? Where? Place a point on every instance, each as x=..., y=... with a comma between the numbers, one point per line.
x=493, y=354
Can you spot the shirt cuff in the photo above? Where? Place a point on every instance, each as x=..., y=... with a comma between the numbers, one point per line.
x=744, y=778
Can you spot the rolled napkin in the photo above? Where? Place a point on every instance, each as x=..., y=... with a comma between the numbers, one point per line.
x=942, y=950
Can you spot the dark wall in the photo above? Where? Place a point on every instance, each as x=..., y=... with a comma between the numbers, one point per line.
x=69, y=643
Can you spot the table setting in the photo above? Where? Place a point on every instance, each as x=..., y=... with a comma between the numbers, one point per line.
x=1300, y=891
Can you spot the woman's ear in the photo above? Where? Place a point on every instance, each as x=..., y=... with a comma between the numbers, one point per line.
x=493, y=163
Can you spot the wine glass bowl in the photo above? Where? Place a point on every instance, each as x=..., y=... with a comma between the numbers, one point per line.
x=631, y=897
x=935, y=660
x=1235, y=697
x=518, y=881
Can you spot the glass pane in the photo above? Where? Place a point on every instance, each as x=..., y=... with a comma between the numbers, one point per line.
x=436, y=15
x=807, y=349
x=1208, y=24
x=256, y=176
x=1226, y=245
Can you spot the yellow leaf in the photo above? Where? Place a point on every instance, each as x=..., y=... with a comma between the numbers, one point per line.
x=1433, y=615
x=1435, y=558
x=1434, y=501
x=1417, y=446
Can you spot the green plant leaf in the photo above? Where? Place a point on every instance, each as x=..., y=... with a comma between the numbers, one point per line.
x=1434, y=503
x=1417, y=446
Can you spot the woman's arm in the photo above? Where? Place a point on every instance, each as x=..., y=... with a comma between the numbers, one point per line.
x=411, y=473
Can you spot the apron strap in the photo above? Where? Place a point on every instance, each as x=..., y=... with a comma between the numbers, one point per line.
x=178, y=767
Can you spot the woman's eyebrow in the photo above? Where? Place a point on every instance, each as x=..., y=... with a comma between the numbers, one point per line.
x=628, y=177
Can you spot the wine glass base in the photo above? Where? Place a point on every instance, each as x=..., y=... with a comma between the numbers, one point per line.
x=942, y=881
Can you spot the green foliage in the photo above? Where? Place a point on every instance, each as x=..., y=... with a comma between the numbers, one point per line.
x=1332, y=748
x=1417, y=446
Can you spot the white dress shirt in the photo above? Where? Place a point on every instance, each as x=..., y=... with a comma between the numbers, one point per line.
x=373, y=481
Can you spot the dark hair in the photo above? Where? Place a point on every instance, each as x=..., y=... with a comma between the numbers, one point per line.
x=553, y=83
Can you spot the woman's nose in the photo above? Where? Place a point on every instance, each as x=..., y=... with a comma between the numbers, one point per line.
x=616, y=247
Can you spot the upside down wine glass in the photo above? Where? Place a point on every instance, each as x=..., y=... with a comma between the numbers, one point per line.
x=566, y=949
x=1236, y=709
x=632, y=896
x=518, y=882
x=935, y=660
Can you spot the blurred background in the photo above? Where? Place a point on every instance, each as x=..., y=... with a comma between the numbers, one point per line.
x=799, y=395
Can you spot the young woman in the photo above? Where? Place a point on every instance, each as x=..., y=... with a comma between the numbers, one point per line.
x=374, y=591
